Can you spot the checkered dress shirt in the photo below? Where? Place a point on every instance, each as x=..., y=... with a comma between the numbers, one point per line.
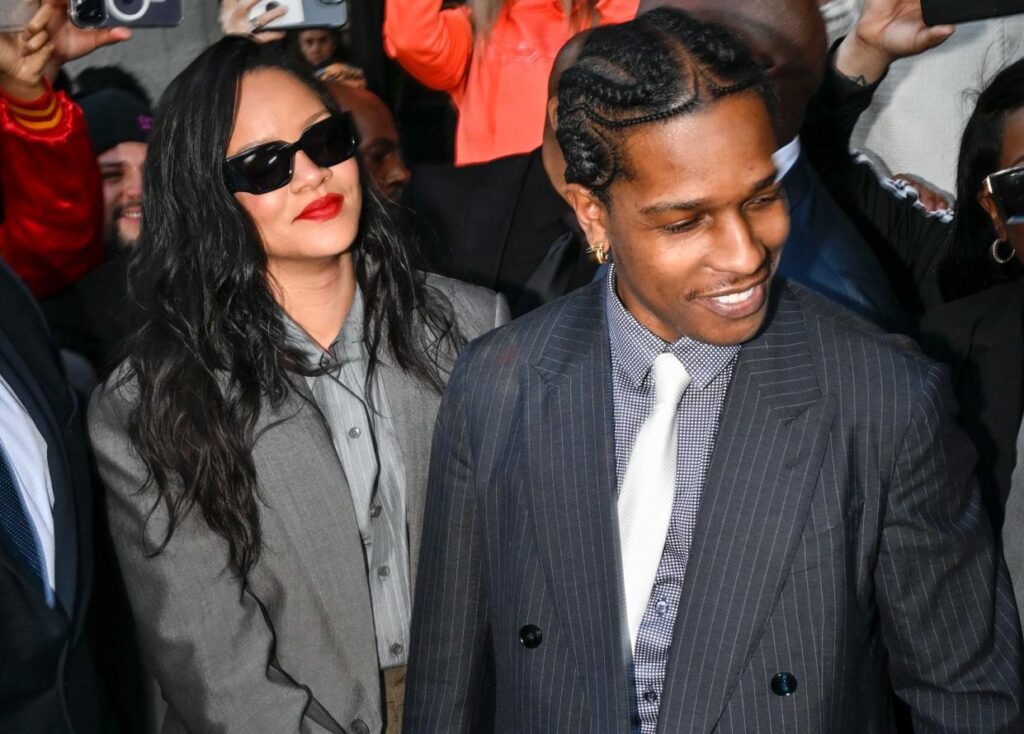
x=633, y=349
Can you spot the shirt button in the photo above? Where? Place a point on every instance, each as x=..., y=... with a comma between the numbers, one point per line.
x=354, y=432
x=651, y=695
x=383, y=572
x=661, y=607
x=375, y=511
x=396, y=649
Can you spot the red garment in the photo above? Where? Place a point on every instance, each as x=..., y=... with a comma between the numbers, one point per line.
x=52, y=230
x=498, y=81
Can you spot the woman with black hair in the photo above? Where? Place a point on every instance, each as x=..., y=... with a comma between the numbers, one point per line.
x=932, y=258
x=264, y=443
x=965, y=269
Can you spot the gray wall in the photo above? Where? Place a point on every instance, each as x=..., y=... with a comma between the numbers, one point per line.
x=157, y=55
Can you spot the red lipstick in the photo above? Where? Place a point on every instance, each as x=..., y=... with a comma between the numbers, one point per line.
x=324, y=208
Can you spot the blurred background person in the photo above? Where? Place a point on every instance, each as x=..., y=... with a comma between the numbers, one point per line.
x=320, y=48
x=971, y=262
x=91, y=318
x=48, y=174
x=505, y=224
x=379, y=146
x=493, y=58
x=914, y=126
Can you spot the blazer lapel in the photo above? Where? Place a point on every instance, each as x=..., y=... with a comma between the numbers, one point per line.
x=763, y=473
x=298, y=432
x=571, y=484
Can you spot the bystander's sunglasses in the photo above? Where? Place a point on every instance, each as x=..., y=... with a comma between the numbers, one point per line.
x=270, y=166
x=1007, y=189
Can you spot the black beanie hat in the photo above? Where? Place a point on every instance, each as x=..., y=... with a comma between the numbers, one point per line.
x=114, y=117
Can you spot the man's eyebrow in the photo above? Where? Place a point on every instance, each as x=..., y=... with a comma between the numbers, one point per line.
x=691, y=204
x=765, y=182
x=671, y=206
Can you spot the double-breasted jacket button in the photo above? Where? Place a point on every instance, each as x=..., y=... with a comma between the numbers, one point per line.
x=359, y=727
x=783, y=684
x=530, y=635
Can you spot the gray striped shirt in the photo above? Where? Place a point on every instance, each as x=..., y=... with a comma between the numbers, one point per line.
x=365, y=439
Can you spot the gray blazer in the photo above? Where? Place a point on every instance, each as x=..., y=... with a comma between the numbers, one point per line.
x=840, y=539
x=292, y=649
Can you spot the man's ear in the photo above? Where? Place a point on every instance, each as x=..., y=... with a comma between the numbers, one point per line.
x=989, y=205
x=591, y=215
x=552, y=113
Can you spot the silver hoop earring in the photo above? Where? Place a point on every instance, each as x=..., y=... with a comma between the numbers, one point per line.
x=1002, y=259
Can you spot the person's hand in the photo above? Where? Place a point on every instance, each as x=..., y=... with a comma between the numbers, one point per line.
x=71, y=42
x=887, y=30
x=24, y=56
x=350, y=76
x=930, y=197
x=234, y=20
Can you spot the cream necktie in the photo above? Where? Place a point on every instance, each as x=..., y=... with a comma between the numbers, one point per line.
x=648, y=489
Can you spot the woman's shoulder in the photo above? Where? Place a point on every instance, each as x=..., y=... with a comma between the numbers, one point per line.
x=111, y=402
x=477, y=310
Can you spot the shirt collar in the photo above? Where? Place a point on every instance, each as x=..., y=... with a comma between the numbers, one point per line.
x=350, y=335
x=786, y=157
x=634, y=347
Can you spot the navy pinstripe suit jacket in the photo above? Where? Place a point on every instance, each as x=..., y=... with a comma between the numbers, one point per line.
x=840, y=539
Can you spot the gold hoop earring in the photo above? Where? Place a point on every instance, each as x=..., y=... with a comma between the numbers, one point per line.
x=599, y=253
x=1002, y=259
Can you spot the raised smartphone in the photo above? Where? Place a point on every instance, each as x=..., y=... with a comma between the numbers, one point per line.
x=304, y=13
x=943, y=12
x=130, y=13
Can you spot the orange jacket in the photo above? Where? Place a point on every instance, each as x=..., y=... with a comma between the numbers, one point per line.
x=52, y=227
x=499, y=82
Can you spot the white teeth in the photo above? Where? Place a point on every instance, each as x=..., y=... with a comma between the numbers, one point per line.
x=733, y=298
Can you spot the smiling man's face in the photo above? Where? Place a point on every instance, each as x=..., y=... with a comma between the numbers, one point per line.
x=697, y=226
x=121, y=169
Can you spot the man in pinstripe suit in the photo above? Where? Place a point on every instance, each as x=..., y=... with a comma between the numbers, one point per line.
x=823, y=541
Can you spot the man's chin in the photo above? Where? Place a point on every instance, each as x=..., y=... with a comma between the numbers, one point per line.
x=127, y=235
x=115, y=244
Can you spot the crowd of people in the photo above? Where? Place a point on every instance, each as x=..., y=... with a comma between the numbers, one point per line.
x=659, y=409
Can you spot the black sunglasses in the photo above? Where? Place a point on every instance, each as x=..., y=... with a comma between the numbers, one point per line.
x=270, y=166
x=1007, y=189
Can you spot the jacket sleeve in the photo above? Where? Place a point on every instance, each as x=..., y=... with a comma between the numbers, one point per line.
x=947, y=612
x=450, y=682
x=202, y=634
x=434, y=45
x=905, y=236
x=52, y=198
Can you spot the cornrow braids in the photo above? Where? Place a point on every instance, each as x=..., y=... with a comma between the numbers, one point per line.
x=663, y=64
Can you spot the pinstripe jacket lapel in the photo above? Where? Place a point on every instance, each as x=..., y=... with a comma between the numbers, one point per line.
x=771, y=442
x=571, y=477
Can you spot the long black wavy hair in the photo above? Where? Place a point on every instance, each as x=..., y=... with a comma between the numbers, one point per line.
x=662, y=64
x=968, y=266
x=211, y=345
